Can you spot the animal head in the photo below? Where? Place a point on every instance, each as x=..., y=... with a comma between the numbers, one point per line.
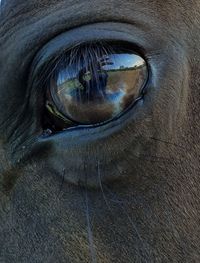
x=99, y=154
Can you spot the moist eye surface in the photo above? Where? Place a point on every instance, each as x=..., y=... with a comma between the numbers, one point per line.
x=92, y=84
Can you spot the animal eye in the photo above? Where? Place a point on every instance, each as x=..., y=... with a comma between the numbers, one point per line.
x=92, y=84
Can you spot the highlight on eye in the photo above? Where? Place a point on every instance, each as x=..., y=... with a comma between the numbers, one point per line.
x=92, y=84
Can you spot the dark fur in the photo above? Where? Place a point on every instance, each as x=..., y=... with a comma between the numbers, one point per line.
x=152, y=213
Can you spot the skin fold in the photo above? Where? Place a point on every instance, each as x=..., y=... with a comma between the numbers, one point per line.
x=124, y=192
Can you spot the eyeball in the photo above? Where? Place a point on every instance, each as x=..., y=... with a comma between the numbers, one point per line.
x=93, y=84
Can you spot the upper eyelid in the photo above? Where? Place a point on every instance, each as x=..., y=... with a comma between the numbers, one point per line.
x=63, y=42
x=48, y=54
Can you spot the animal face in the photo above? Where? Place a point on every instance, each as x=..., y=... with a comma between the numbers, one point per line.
x=99, y=155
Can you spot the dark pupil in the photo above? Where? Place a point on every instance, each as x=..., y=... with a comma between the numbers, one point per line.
x=94, y=84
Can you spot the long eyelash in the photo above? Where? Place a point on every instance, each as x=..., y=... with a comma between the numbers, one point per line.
x=87, y=51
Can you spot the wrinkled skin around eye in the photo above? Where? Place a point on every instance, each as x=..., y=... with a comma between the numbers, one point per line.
x=124, y=192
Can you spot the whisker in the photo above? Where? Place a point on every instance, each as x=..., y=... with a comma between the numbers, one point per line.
x=168, y=143
x=90, y=235
x=101, y=187
x=62, y=182
x=144, y=244
x=84, y=192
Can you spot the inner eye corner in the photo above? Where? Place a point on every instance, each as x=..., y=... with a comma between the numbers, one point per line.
x=93, y=84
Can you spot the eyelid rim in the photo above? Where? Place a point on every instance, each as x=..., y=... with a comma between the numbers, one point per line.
x=81, y=35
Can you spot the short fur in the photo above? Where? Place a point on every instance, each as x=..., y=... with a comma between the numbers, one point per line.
x=150, y=213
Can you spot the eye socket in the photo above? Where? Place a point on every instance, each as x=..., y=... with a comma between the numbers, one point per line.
x=92, y=84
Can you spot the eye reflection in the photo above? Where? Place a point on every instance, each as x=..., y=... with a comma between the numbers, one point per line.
x=94, y=84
